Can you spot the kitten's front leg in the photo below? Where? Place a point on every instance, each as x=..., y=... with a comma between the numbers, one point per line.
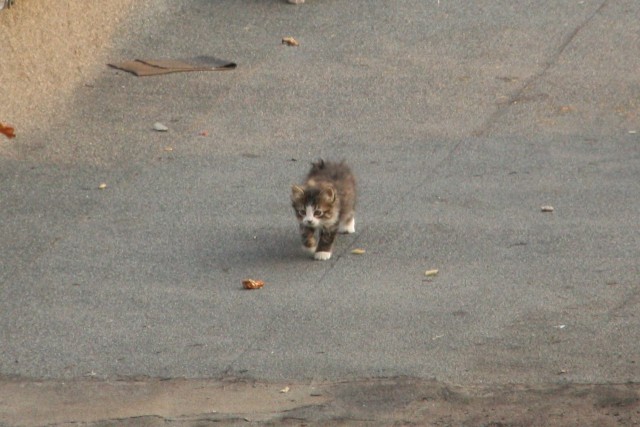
x=323, y=252
x=308, y=239
x=347, y=226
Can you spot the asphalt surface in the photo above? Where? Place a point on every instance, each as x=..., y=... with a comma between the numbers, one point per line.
x=460, y=119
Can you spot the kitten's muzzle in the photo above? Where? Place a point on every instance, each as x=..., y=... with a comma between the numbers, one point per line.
x=310, y=222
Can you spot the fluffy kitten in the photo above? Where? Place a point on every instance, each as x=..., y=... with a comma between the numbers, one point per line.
x=326, y=202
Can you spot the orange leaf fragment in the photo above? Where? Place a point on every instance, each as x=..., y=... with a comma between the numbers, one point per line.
x=290, y=41
x=7, y=130
x=252, y=284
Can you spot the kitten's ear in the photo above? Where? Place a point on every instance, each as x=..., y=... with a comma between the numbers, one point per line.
x=317, y=166
x=297, y=192
x=329, y=194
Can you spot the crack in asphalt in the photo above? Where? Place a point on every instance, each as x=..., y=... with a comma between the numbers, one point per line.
x=485, y=129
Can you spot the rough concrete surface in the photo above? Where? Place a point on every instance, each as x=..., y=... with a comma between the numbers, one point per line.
x=122, y=249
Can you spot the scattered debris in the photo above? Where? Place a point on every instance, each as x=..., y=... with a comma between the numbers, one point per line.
x=564, y=109
x=252, y=284
x=7, y=130
x=168, y=149
x=430, y=273
x=290, y=41
x=285, y=390
x=560, y=326
x=436, y=337
x=203, y=133
x=102, y=186
x=633, y=132
x=546, y=208
x=160, y=127
x=358, y=251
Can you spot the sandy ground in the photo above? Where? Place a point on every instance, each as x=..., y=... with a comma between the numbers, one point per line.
x=392, y=401
x=49, y=48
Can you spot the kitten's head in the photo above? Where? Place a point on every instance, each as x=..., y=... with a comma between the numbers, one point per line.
x=315, y=205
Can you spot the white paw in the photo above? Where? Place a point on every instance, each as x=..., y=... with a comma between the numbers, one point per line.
x=322, y=256
x=348, y=227
x=309, y=250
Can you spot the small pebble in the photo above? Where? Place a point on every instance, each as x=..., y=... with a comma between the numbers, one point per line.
x=160, y=127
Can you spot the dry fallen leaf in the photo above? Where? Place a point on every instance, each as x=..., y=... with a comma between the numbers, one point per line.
x=252, y=284
x=290, y=41
x=285, y=390
x=102, y=186
x=358, y=251
x=429, y=273
x=7, y=130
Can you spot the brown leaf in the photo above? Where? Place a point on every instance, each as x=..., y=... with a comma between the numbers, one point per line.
x=7, y=130
x=252, y=284
x=290, y=41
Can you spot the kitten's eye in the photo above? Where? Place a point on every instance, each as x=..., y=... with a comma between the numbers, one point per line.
x=302, y=212
x=317, y=213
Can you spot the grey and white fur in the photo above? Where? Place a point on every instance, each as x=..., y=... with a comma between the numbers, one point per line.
x=325, y=203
